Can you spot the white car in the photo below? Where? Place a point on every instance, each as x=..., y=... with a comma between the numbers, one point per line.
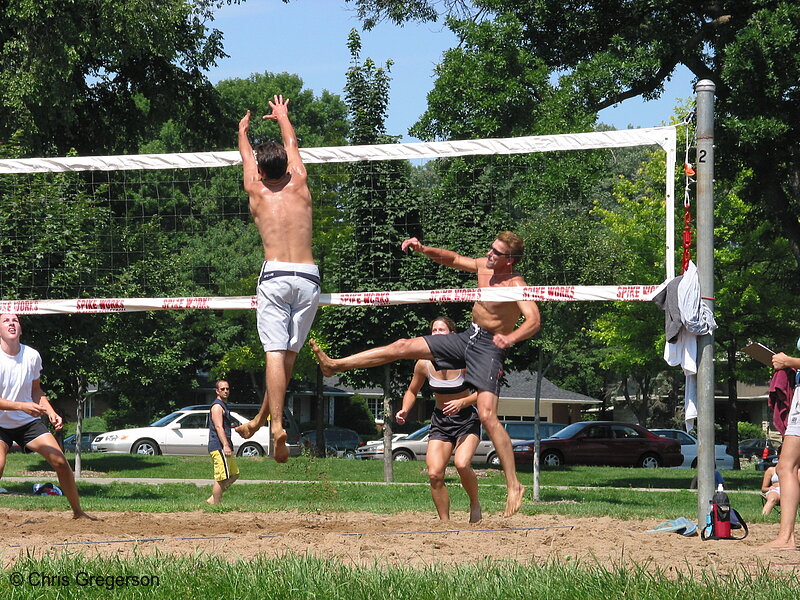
x=722, y=460
x=396, y=437
x=182, y=433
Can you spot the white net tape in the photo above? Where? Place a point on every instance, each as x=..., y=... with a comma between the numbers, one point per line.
x=660, y=136
x=665, y=137
x=507, y=294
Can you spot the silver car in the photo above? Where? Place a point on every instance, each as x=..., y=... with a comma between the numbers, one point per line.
x=415, y=445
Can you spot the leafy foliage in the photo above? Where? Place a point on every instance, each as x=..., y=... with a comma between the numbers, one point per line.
x=102, y=76
x=379, y=213
x=613, y=50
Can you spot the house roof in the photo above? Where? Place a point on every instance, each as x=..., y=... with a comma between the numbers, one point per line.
x=520, y=385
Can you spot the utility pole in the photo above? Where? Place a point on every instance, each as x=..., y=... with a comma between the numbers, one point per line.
x=705, y=268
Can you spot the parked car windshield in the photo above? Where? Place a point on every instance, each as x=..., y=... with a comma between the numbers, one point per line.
x=166, y=420
x=568, y=431
x=418, y=434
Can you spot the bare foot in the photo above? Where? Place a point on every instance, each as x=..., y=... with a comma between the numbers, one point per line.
x=82, y=515
x=326, y=364
x=781, y=544
x=249, y=429
x=475, y=515
x=281, y=453
x=514, y=499
x=212, y=501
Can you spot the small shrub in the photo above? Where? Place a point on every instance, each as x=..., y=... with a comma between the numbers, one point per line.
x=749, y=431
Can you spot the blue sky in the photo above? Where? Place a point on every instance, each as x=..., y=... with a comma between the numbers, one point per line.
x=309, y=38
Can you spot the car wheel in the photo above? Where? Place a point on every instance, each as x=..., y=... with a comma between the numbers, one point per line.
x=250, y=449
x=349, y=453
x=402, y=456
x=493, y=460
x=551, y=458
x=148, y=447
x=650, y=461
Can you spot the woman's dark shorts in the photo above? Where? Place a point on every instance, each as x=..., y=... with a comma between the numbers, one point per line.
x=474, y=350
x=453, y=428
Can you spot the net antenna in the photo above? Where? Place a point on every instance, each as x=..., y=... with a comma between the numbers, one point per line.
x=664, y=137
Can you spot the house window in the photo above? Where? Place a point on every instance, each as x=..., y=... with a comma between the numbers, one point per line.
x=88, y=407
x=375, y=405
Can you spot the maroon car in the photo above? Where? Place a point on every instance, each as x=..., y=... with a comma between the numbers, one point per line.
x=602, y=443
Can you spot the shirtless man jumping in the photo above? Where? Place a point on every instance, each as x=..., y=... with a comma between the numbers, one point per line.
x=288, y=288
x=481, y=349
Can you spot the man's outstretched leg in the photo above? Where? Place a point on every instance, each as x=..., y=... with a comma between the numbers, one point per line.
x=279, y=366
x=375, y=357
x=487, y=411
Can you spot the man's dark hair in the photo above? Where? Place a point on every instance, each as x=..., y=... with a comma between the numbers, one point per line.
x=271, y=159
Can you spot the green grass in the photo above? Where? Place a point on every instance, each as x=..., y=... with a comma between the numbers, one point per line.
x=304, y=469
x=331, y=485
x=305, y=577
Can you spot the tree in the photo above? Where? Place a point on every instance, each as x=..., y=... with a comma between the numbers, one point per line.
x=491, y=86
x=379, y=212
x=372, y=12
x=632, y=332
x=613, y=50
x=756, y=293
x=102, y=76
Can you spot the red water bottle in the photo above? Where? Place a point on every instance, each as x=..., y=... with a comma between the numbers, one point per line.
x=721, y=509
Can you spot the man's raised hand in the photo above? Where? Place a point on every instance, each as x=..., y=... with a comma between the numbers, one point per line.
x=244, y=124
x=279, y=106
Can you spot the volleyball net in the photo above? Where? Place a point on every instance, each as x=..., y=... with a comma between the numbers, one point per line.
x=173, y=231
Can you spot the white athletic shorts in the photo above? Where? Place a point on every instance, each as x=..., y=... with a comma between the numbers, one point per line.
x=793, y=422
x=288, y=297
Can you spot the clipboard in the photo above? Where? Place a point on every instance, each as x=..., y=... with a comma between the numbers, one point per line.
x=760, y=352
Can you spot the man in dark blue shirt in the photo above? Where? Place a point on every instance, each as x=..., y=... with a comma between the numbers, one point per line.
x=220, y=446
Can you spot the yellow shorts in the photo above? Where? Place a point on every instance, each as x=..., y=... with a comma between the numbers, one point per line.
x=224, y=466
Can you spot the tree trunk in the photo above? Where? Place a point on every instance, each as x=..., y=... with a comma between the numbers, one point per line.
x=537, y=435
x=388, y=465
x=320, y=420
x=257, y=386
x=81, y=399
x=733, y=411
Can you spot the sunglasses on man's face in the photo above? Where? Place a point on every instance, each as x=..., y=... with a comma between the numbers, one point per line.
x=496, y=252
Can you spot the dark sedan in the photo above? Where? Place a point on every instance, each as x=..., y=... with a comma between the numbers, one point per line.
x=602, y=443
x=86, y=441
x=754, y=448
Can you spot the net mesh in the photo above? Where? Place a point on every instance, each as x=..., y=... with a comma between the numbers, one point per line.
x=131, y=227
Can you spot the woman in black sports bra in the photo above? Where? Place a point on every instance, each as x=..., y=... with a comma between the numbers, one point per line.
x=454, y=426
